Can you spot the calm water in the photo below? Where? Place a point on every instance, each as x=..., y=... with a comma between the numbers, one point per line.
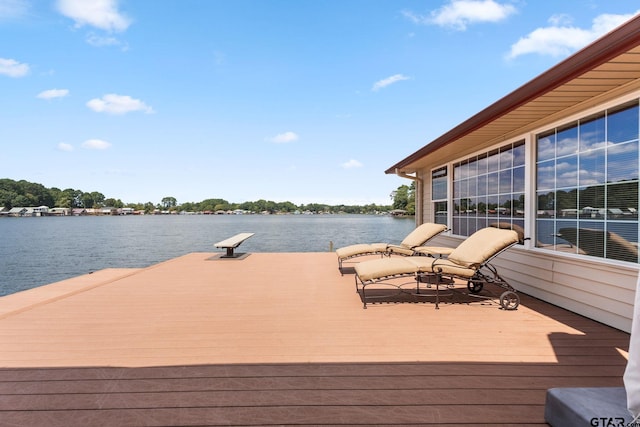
x=38, y=251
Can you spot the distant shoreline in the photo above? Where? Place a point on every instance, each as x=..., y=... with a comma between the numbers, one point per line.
x=183, y=213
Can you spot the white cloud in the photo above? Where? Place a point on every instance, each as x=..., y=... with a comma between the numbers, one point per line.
x=96, y=144
x=560, y=19
x=351, y=164
x=415, y=18
x=458, y=14
x=63, y=146
x=118, y=104
x=388, y=81
x=13, y=8
x=101, y=41
x=285, y=137
x=102, y=14
x=53, y=93
x=12, y=68
x=560, y=38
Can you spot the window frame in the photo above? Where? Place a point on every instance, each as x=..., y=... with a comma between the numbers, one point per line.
x=588, y=151
x=488, y=160
x=439, y=201
x=500, y=202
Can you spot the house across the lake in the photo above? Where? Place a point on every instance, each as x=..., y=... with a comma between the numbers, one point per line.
x=557, y=158
x=27, y=211
x=46, y=211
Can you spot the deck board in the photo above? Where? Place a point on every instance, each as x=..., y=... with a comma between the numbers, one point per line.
x=282, y=339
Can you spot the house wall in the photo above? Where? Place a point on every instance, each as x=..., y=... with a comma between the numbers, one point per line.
x=426, y=211
x=600, y=289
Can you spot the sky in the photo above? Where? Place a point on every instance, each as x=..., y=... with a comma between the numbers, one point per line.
x=307, y=101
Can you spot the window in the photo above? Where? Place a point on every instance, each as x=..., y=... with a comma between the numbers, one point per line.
x=587, y=185
x=439, y=195
x=489, y=189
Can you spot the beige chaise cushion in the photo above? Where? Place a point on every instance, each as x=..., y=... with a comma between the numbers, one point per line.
x=389, y=267
x=462, y=262
x=482, y=245
x=421, y=234
x=417, y=237
x=384, y=267
x=361, y=249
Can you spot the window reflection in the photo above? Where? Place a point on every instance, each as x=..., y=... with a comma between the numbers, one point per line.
x=622, y=125
x=623, y=162
x=440, y=212
x=518, y=179
x=482, y=185
x=567, y=171
x=592, y=133
x=493, y=161
x=546, y=204
x=592, y=167
x=587, y=179
x=493, y=183
x=546, y=175
x=506, y=158
x=518, y=155
x=622, y=201
x=489, y=188
x=506, y=181
x=483, y=163
x=567, y=203
x=439, y=195
x=439, y=190
x=567, y=141
x=546, y=146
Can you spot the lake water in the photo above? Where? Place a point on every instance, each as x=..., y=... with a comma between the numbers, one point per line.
x=38, y=251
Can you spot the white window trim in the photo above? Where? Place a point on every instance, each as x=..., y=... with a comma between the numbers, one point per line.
x=530, y=219
x=527, y=204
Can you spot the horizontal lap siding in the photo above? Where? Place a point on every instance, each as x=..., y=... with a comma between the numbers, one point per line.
x=601, y=292
x=593, y=289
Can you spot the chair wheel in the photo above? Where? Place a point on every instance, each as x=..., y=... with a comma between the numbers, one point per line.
x=509, y=300
x=474, y=287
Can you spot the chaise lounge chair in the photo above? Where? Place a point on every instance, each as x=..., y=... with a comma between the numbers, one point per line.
x=442, y=252
x=469, y=262
x=416, y=238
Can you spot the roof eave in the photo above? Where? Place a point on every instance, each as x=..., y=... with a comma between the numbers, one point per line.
x=597, y=53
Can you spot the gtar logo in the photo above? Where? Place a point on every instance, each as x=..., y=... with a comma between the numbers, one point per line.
x=607, y=422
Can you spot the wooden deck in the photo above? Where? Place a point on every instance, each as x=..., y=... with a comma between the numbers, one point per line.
x=282, y=339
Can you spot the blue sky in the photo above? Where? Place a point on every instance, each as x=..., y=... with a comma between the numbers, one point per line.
x=298, y=100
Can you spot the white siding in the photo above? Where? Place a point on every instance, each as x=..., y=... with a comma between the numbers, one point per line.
x=595, y=289
x=427, y=206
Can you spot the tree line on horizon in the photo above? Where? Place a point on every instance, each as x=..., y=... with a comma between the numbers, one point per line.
x=29, y=194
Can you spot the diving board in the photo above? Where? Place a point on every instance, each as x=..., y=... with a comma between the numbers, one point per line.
x=232, y=243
